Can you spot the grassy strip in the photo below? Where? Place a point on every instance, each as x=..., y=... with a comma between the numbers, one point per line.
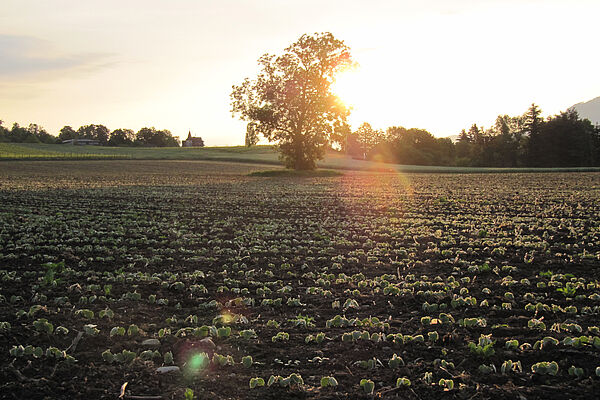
x=239, y=154
x=283, y=173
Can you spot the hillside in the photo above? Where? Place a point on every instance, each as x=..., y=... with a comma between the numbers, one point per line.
x=590, y=110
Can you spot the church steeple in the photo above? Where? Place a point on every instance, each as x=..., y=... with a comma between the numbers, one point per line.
x=189, y=135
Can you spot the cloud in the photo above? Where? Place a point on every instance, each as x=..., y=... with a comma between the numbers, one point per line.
x=30, y=57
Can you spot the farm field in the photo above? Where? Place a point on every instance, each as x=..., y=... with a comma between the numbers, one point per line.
x=365, y=285
x=264, y=154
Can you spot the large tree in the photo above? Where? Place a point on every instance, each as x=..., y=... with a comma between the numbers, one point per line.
x=94, y=132
x=67, y=133
x=290, y=101
x=121, y=137
x=3, y=132
x=152, y=137
x=532, y=125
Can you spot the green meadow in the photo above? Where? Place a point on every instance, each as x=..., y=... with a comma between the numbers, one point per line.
x=257, y=154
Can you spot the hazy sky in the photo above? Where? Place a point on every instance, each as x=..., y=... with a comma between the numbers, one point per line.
x=440, y=65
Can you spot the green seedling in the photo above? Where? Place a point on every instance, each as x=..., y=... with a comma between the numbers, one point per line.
x=17, y=351
x=545, y=342
x=162, y=332
x=108, y=356
x=281, y=336
x=125, y=357
x=256, y=382
x=91, y=330
x=106, y=313
x=536, y=324
x=447, y=384
x=396, y=362
x=133, y=330
x=85, y=313
x=148, y=355
x=247, y=361
x=443, y=363
x=545, y=368
x=402, y=382
x=328, y=381
x=511, y=366
x=484, y=348
x=224, y=332
x=218, y=359
x=367, y=385
x=433, y=336
x=53, y=352
x=5, y=327
x=350, y=303
x=61, y=330
x=43, y=326
x=576, y=372
x=428, y=378
x=117, y=331
x=247, y=334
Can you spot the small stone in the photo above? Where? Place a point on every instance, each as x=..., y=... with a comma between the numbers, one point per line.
x=208, y=343
x=151, y=343
x=166, y=370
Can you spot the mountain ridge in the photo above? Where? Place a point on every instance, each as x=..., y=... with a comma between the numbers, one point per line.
x=589, y=109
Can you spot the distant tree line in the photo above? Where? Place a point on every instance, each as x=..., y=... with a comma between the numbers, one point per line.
x=563, y=140
x=145, y=137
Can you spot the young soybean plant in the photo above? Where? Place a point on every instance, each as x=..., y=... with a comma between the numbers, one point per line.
x=403, y=382
x=367, y=385
x=447, y=384
x=256, y=382
x=247, y=362
x=395, y=361
x=189, y=394
x=328, y=381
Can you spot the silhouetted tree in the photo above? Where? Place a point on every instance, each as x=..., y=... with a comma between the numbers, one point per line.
x=20, y=134
x=151, y=137
x=291, y=102
x=94, y=132
x=251, y=135
x=41, y=134
x=367, y=138
x=566, y=141
x=410, y=146
x=532, y=124
x=3, y=132
x=121, y=137
x=67, y=133
x=463, y=149
x=352, y=146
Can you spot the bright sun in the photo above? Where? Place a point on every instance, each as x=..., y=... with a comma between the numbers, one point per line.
x=357, y=89
x=349, y=87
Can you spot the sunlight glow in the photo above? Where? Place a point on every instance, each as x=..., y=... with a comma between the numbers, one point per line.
x=197, y=363
x=349, y=87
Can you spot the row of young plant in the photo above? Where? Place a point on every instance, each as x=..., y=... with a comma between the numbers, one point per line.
x=326, y=282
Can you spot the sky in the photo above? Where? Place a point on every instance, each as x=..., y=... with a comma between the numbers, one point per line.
x=439, y=65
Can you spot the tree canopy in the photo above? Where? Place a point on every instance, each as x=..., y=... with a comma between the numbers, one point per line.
x=527, y=140
x=290, y=101
x=149, y=137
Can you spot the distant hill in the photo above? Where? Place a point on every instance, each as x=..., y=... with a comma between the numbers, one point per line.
x=589, y=110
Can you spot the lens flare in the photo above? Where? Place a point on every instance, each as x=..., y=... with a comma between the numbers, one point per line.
x=197, y=363
x=227, y=318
